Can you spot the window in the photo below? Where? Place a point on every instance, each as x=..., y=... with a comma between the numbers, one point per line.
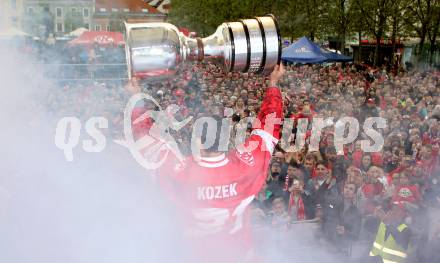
x=126, y=10
x=97, y=27
x=87, y=26
x=59, y=27
x=108, y=28
x=13, y=4
x=59, y=12
x=73, y=10
x=102, y=9
x=114, y=10
x=144, y=10
x=86, y=12
x=14, y=21
x=30, y=10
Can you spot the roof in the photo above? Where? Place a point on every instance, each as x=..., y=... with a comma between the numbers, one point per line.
x=161, y=5
x=134, y=6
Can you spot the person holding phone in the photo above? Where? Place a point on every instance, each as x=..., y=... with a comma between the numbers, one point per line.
x=301, y=197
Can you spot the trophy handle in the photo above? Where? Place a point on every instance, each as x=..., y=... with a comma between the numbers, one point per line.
x=127, y=51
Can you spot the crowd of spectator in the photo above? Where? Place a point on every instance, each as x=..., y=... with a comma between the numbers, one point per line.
x=347, y=194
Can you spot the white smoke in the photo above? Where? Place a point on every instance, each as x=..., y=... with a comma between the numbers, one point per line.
x=102, y=207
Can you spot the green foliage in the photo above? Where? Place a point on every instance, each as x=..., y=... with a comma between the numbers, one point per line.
x=317, y=18
x=296, y=18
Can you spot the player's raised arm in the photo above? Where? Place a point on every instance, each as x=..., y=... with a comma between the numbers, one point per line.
x=272, y=103
x=259, y=147
x=266, y=129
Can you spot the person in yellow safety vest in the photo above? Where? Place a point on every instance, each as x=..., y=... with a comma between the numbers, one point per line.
x=392, y=238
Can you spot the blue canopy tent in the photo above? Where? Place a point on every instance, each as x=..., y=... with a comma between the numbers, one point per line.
x=305, y=51
x=335, y=57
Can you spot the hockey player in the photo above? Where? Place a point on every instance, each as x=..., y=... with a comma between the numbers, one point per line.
x=214, y=190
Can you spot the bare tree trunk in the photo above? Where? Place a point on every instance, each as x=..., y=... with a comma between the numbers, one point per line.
x=393, y=38
x=421, y=43
x=432, y=39
x=343, y=26
x=343, y=43
x=376, y=51
x=380, y=31
x=360, y=45
x=432, y=49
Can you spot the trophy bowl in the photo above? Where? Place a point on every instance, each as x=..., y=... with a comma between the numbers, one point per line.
x=157, y=49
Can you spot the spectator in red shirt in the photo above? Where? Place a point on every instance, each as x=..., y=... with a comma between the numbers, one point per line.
x=405, y=191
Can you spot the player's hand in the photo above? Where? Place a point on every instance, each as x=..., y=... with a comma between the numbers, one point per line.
x=276, y=75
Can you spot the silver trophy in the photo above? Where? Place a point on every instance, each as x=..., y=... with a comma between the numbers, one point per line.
x=157, y=49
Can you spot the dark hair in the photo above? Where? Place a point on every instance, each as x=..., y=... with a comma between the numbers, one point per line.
x=366, y=154
x=321, y=162
x=235, y=117
x=293, y=163
x=275, y=174
x=311, y=157
x=330, y=149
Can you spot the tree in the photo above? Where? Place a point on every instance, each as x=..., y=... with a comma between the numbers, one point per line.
x=433, y=31
x=397, y=21
x=358, y=25
x=419, y=17
x=201, y=16
x=319, y=18
x=296, y=18
x=375, y=14
x=340, y=17
x=289, y=17
x=314, y=13
x=299, y=18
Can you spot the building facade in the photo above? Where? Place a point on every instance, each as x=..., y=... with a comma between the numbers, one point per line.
x=11, y=12
x=110, y=14
x=57, y=16
x=43, y=17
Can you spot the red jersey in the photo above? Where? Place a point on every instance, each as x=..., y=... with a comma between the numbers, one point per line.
x=215, y=192
x=407, y=193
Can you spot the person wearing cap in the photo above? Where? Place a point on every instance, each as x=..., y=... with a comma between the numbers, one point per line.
x=392, y=241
